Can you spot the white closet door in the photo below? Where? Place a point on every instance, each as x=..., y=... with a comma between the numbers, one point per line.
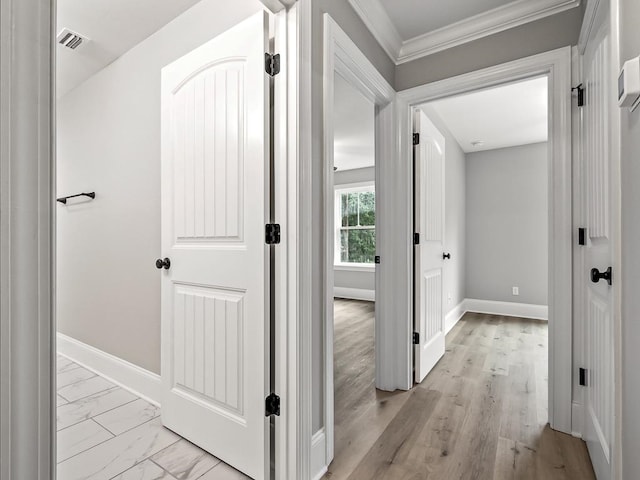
x=598, y=308
x=429, y=221
x=215, y=302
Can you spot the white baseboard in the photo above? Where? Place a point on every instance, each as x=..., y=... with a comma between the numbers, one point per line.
x=354, y=293
x=453, y=316
x=141, y=382
x=318, y=454
x=510, y=309
x=577, y=419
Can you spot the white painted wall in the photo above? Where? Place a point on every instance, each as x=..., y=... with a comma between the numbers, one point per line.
x=357, y=278
x=108, y=288
x=630, y=278
x=455, y=216
x=507, y=224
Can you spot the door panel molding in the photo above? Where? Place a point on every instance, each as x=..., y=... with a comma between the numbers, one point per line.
x=216, y=201
x=556, y=65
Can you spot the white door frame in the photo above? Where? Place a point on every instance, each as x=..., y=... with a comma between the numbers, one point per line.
x=27, y=239
x=556, y=65
x=342, y=56
x=27, y=242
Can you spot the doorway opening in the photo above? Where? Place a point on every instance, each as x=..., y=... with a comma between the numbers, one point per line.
x=481, y=212
x=556, y=67
x=354, y=319
x=358, y=214
x=168, y=124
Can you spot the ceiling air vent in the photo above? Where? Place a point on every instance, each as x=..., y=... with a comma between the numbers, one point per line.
x=70, y=39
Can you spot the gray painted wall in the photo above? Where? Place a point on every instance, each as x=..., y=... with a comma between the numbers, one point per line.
x=507, y=224
x=630, y=278
x=350, y=278
x=108, y=289
x=540, y=36
x=345, y=16
x=455, y=216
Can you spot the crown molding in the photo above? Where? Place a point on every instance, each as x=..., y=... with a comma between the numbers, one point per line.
x=377, y=20
x=473, y=28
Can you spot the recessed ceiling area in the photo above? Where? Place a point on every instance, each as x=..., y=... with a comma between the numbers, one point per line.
x=505, y=116
x=113, y=27
x=354, y=128
x=415, y=17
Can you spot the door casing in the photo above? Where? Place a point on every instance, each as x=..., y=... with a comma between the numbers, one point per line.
x=556, y=65
x=342, y=56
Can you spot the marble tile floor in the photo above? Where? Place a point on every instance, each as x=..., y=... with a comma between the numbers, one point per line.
x=107, y=433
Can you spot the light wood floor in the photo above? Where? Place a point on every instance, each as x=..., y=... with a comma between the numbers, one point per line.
x=481, y=414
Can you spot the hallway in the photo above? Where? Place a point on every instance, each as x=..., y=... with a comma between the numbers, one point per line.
x=481, y=414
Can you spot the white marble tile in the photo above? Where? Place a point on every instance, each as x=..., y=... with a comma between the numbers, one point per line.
x=80, y=437
x=222, y=471
x=64, y=364
x=93, y=405
x=119, y=454
x=60, y=400
x=146, y=470
x=127, y=416
x=85, y=388
x=185, y=461
x=72, y=376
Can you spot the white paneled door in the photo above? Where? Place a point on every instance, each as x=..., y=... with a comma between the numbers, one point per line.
x=215, y=300
x=429, y=250
x=599, y=281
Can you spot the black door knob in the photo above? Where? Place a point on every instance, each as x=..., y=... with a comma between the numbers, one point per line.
x=597, y=275
x=160, y=264
x=446, y=256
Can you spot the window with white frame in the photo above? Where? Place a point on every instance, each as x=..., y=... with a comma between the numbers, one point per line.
x=355, y=219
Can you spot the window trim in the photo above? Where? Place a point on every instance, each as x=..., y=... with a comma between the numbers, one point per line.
x=367, y=186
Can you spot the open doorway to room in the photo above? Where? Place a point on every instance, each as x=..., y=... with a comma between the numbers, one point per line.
x=482, y=275
x=481, y=214
x=354, y=362
x=165, y=280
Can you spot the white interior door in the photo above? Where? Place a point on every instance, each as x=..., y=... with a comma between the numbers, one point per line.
x=597, y=201
x=215, y=301
x=429, y=224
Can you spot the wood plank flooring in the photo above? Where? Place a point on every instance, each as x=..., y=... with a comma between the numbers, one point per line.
x=481, y=414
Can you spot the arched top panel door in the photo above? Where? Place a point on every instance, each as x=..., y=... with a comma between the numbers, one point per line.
x=215, y=199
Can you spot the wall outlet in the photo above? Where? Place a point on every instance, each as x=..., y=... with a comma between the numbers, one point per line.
x=515, y=290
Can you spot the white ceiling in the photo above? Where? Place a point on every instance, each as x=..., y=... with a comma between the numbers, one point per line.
x=415, y=17
x=354, y=128
x=410, y=29
x=505, y=116
x=113, y=27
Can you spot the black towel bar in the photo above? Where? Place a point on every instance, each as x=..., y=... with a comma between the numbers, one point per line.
x=64, y=199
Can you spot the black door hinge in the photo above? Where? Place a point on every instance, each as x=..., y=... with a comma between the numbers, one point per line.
x=416, y=239
x=272, y=64
x=583, y=377
x=580, y=90
x=376, y=259
x=416, y=338
x=272, y=234
x=582, y=236
x=272, y=405
x=416, y=138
